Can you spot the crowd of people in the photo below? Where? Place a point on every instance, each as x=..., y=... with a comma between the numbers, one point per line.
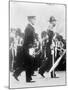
x=28, y=53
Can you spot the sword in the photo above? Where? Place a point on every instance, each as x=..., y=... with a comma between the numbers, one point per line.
x=57, y=62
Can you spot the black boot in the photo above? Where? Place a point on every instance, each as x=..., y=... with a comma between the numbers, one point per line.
x=42, y=75
x=15, y=76
x=53, y=76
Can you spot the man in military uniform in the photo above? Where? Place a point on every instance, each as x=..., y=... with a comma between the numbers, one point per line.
x=51, y=34
x=47, y=64
x=28, y=43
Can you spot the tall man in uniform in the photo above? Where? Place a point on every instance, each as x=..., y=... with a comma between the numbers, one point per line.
x=29, y=37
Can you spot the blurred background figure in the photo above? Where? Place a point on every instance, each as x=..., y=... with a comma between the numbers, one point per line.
x=15, y=42
x=11, y=48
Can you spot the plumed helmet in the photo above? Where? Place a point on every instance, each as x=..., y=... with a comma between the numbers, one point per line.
x=52, y=18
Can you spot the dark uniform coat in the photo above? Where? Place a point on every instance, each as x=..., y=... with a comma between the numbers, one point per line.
x=28, y=43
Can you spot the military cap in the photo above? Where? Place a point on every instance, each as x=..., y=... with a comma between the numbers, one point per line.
x=52, y=18
x=31, y=17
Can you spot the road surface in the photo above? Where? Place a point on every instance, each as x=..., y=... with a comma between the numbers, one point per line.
x=38, y=80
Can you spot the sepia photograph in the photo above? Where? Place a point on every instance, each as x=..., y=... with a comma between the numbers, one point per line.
x=37, y=44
